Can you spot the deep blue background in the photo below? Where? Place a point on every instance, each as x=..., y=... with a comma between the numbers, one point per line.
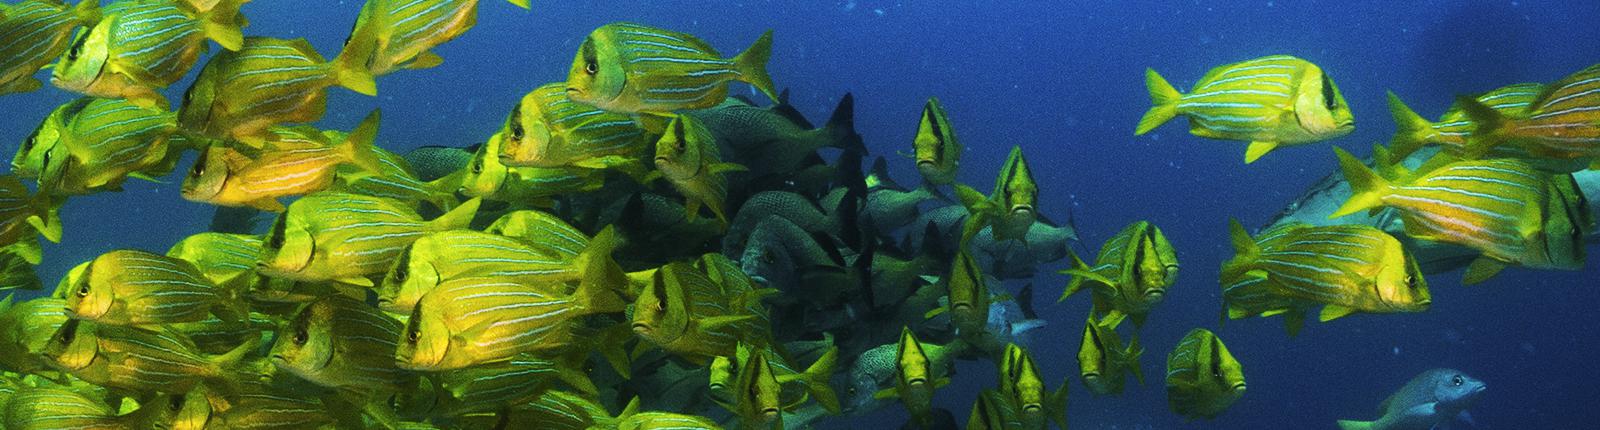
x=1064, y=81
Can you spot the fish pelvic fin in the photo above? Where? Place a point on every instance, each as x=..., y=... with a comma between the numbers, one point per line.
x=221, y=24
x=1164, y=100
x=1481, y=270
x=752, y=66
x=1080, y=271
x=1411, y=130
x=1490, y=122
x=1355, y=425
x=457, y=218
x=1367, y=188
x=1258, y=149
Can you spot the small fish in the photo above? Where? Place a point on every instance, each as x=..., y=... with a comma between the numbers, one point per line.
x=796, y=385
x=992, y=412
x=136, y=360
x=1011, y=209
x=630, y=68
x=442, y=256
x=1021, y=385
x=390, y=36
x=1346, y=269
x=687, y=156
x=341, y=343
x=225, y=259
x=1203, y=378
x=296, y=161
x=267, y=411
x=487, y=178
x=139, y=48
x=33, y=34
x=631, y=420
x=1130, y=276
x=1269, y=101
x=1561, y=123
x=936, y=149
x=347, y=237
x=968, y=295
x=26, y=328
x=491, y=387
x=685, y=312
x=756, y=397
x=241, y=94
x=1494, y=206
x=24, y=216
x=1102, y=359
x=541, y=230
x=1433, y=399
x=98, y=143
x=1454, y=127
x=395, y=179
x=545, y=129
x=56, y=407
x=915, y=378
x=133, y=287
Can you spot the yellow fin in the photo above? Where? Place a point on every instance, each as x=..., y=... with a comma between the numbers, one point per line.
x=425, y=60
x=1332, y=312
x=1258, y=149
x=1164, y=102
x=1481, y=270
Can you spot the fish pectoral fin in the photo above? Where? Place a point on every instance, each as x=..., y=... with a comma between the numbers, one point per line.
x=935, y=312
x=266, y=204
x=728, y=167
x=886, y=393
x=715, y=322
x=1258, y=149
x=425, y=60
x=1481, y=270
x=1332, y=312
x=355, y=280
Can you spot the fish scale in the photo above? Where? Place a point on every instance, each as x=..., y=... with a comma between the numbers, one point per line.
x=267, y=82
x=32, y=34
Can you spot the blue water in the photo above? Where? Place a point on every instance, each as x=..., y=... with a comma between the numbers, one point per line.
x=1064, y=81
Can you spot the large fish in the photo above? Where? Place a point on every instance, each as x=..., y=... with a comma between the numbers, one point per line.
x=686, y=313
x=1011, y=209
x=1102, y=360
x=1432, y=400
x=1270, y=102
x=140, y=47
x=34, y=33
x=341, y=343
x=132, y=287
x=1130, y=276
x=439, y=257
x=1022, y=386
x=1562, y=122
x=687, y=156
x=631, y=68
x=347, y=237
x=392, y=35
x=240, y=94
x=91, y=145
x=1203, y=378
x=545, y=129
x=777, y=140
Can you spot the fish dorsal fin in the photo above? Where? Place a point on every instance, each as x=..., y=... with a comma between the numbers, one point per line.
x=787, y=111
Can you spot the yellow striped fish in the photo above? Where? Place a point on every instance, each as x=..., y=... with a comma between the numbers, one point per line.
x=634, y=420
x=1130, y=276
x=23, y=216
x=267, y=411
x=1344, y=268
x=390, y=35
x=935, y=148
x=295, y=161
x=495, y=386
x=241, y=94
x=688, y=157
x=45, y=141
x=1102, y=359
x=339, y=342
x=631, y=68
x=394, y=179
x=1203, y=378
x=332, y=236
x=214, y=335
x=968, y=294
x=100, y=143
x=226, y=259
x=33, y=34
x=55, y=407
x=1563, y=122
x=137, y=360
x=991, y=412
x=141, y=47
x=439, y=257
x=1270, y=102
x=1494, y=206
x=687, y=314
x=545, y=129
x=540, y=229
x=1454, y=127
x=1011, y=209
x=486, y=177
x=1021, y=385
x=26, y=328
x=757, y=394
x=132, y=287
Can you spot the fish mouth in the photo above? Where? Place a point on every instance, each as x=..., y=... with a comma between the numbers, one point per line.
x=960, y=307
x=1238, y=388
x=1022, y=209
x=926, y=163
x=1032, y=407
x=916, y=381
x=574, y=90
x=770, y=412
x=1155, y=294
x=641, y=328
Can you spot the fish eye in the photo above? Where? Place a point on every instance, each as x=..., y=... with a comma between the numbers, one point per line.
x=175, y=403
x=69, y=331
x=275, y=239
x=1456, y=380
x=77, y=48
x=83, y=289
x=591, y=67
x=1328, y=98
x=477, y=166
x=301, y=336
x=413, y=335
x=199, y=167
x=767, y=256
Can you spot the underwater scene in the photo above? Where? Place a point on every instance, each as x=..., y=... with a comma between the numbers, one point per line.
x=659, y=215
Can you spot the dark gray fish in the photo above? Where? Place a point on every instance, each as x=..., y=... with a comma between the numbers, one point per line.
x=779, y=254
x=794, y=207
x=1045, y=243
x=777, y=139
x=434, y=162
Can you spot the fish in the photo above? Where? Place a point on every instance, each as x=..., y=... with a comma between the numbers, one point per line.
x=471, y=321
x=140, y=288
x=24, y=216
x=1203, y=378
x=295, y=162
x=1022, y=388
x=1433, y=399
x=799, y=209
x=1011, y=209
x=756, y=395
x=1495, y=206
x=99, y=144
x=261, y=411
x=1102, y=359
x=1346, y=269
x=631, y=68
x=889, y=206
x=555, y=410
x=441, y=256
x=433, y=163
x=935, y=148
x=394, y=178
x=991, y=412
x=1560, y=123
x=1271, y=101
x=795, y=386
x=915, y=378
x=777, y=140
x=1131, y=274
x=225, y=259
x=541, y=230
x=136, y=360
x=332, y=236
x=490, y=387
x=33, y=34
x=26, y=328
x=16, y=273
x=633, y=420
x=44, y=143
x=1045, y=242
x=546, y=129
x=215, y=335
x=390, y=36
x=968, y=295
x=55, y=407
x=341, y=343
x=1451, y=132
x=139, y=48
x=688, y=158
x=486, y=178
x=686, y=313
x=241, y=94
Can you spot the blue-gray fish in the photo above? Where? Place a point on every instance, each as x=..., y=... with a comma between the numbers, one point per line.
x=1431, y=400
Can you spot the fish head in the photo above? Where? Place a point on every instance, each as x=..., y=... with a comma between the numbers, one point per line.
x=597, y=76
x=1155, y=266
x=1091, y=354
x=1400, y=282
x=85, y=60
x=29, y=160
x=288, y=247
x=199, y=99
x=1320, y=107
x=766, y=258
x=191, y=411
x=1453, y=387
x=935, y=148
x=1018, y=192
x=679, y=153
x=92, y=297
x=650, y=309
x=305, y=345
x=1225, y=371
x=73, y=346
x=913, y=363
x=426, y=340
x=526, y=136
x=485, y=175
x=758, y=392
x=206, y=178
x=411, y=276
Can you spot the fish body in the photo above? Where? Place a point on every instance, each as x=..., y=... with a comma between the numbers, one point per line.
x=1353, y=268
x=52, y=407
x=391, y=36
x=968, y=295
x=224, y=258
x=936, y=148
x=1131, y=273
x=33, y=34
x=136, y=360
x=545, y=232
x=631, y=68
x=140, y=47
x=665, y=421
x=486, y=177
x=347, y=237
x=1203, y=378
x=1453, y=128
x=915, y=377
x=688, y=314
x=1270, y=101
x=132, y=287
x=95, y=144
x=756, y=395
x=296, y=161
x=688, y=157
x=1102, y=360
x=545, y=129
x=495, y=386
x=441, y=256
x=1022, y=387
x=341, y=343
x=26, y=328
x=782, y=256
x=1431, y=400
x=1561, y=122
x=241, y=94
x=777, y=139
x=395, y=179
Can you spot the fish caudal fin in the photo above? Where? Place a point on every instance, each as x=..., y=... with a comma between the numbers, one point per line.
x=841, y=126
x=816, y=380
x=1489, y=123
x=601, y=276
x=1366, y=187
x=1058, y=405
x=752, y=66
x=1355, y=425
x=1411, y=130
x=1164, y=101
x=221, y=24
x=1245, y=249
x=358, y=148
x=457, y=218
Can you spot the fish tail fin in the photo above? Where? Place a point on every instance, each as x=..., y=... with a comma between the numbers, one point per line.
x=1367, y=188
x=1076, y=282
x=1058, y=405
x=522, y=4
x=442, y=191
x=87, y=11
x=816, y=380
x=1245, y=249
x=221, y=24
x=29, y=250
x=1132, y=356
x=48, y=223
x=841, y=126
x=1411, y=130
x=354, y=77
x=457, y=218
x=230, y=372
x=752, y=66
x=1490, y=124
x=1164, y=100
x=1355, y=425
x=601, y=276
x=358, y=146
